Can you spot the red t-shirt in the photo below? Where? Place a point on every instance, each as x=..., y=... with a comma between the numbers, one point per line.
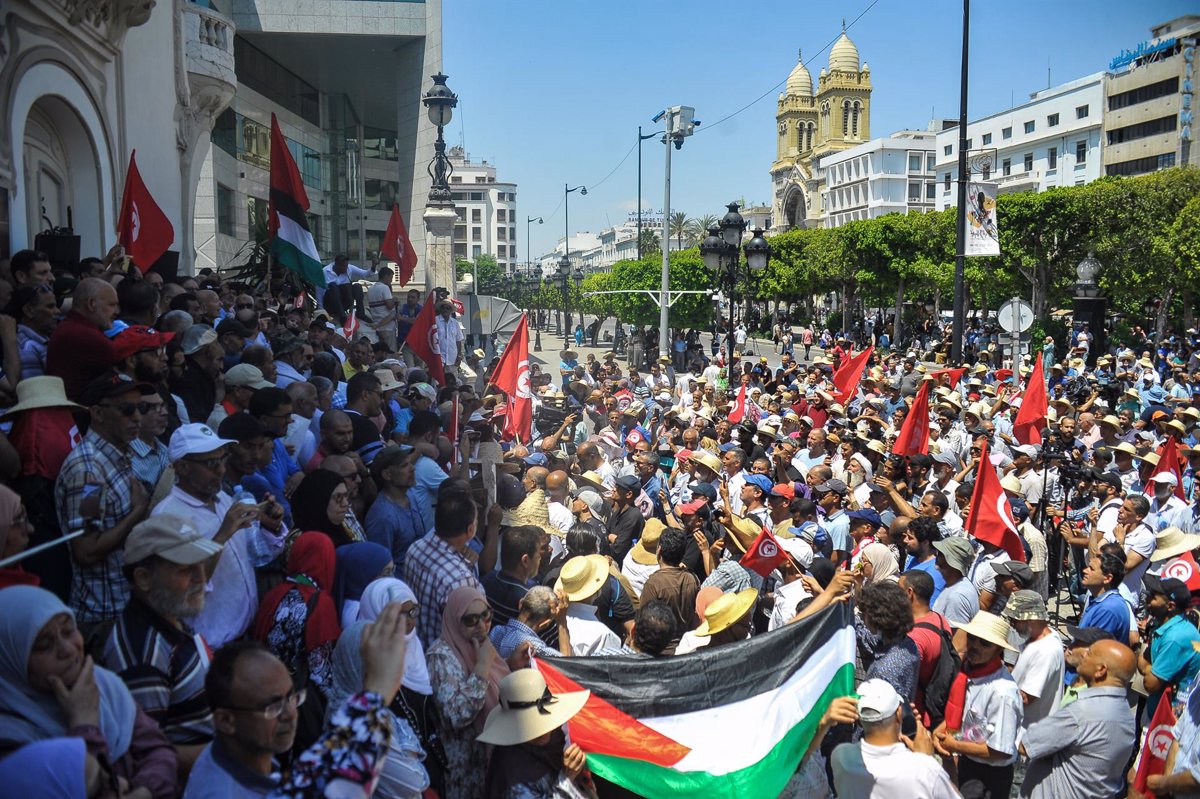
x=929, y=648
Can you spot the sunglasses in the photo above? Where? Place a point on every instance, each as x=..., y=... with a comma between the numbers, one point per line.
x=211, y=464
x=474, y=619
x=130, y=408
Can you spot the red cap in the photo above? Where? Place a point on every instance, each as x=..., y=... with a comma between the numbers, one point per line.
x=136, y=338
x=684, y=454
x=690, y=508
x=784, y=490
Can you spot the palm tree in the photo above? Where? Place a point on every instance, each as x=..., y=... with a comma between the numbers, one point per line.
x=698, y=228
x=677, y=226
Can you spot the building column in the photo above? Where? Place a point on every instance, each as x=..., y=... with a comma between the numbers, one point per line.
x=439, y=250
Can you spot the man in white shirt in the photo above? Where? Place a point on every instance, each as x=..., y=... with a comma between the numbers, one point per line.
x=581, y=578
x=1039, y=669
x=885, y=764
x=449, y=337
x=381, y=310
x=253, y=535
x=340, y=272
x=1137, y=538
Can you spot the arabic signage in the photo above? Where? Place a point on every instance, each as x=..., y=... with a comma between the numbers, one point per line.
x=1144, y=49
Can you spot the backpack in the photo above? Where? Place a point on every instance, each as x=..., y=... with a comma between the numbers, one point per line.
x=948, y=666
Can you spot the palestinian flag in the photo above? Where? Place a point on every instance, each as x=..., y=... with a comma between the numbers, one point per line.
x=291, y=240
x=730, y=723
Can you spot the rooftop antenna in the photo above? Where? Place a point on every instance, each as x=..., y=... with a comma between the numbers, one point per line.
x=1047, y=72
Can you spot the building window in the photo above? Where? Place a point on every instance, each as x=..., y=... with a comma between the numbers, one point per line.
x=476, y=234
x=456, y=178
x=501, y=215
x=1141, y=94
x=1052, y=158
x=930, y=191
x=224, y=133
x=461, y=213
x=1081, y=112
x=987, y=139
x=1006, y=167
x=380, y=194
x=1029, y=126
x=914, y=192
x=477, y=196
x=1028, y=162
x=1051, y=120
x=256, y=213
x=512, y=234
x=476, y=215
x=512, y=251
x=914, y=163
x=460, y=251
x=949, y=148
x=930, y=162
x=1143, y=129
x=502, y=234
x=1140, y=166
x=460, y=232
x=476, y=251
x=225, y=210
x=1006, y=133
x=1081, y=149
x=946, y=181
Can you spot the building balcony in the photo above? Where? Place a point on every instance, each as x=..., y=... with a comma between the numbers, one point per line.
x=208, y=56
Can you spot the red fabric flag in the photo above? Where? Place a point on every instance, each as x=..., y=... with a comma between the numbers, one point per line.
x=764, y=555
x=421, y=338
x=1183, y=568
x=142, y=228
x=398, y=248
x=624, y=399
x=351, y=327
x=954, y=374
x=991, y=518
x=1168, y=461
x=1031, y=416
x=914, y=434
x=846, y=379
x=738, y=411
x=512, y=377
x=1002, y=374
x=1159, y=738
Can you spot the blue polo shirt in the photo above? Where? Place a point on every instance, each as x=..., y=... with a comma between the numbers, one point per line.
x=1110, y=612
x=1174, y=658
x=930, y=568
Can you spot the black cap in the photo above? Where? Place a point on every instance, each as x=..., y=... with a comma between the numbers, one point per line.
x=1111, y=478
x=232, y=327
x=388, y=456
x=284, y=342
x=1086, y=636
x=1174, y=590
x=510, y=492
x=703, y=490
x=241, y=427
x=112, y=384
x=629, y=483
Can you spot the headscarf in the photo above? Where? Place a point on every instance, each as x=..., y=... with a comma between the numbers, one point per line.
x=310, y=505
x=882, y=561
x=310, y=568
x=31, y=715
x=10, y=506
x=464, y=648
x=357, y=565
x=378, y=595
x=52, y=768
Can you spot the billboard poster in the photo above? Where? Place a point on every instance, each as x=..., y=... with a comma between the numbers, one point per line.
x=983, y=238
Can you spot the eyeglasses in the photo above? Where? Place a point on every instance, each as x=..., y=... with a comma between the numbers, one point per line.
x=274, y=710
x=212, y=464
x=341, y=499
x=129, y=408
x=475, y=619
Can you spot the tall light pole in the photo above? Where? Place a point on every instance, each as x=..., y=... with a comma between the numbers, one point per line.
x=641, y=139
x=680, y=123
x=563, y=278
x=960, y=247
x=528, y=247
x=439, y=214
x=567, y=216
x=722, y=254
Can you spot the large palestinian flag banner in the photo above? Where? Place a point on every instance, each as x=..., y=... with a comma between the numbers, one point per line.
x=731, y=723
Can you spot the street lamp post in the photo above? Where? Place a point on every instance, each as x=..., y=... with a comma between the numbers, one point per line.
x=577, y=277
x=439, y=214
x=528, y=246
x=722, y=254
x=641, y=139
x=563, y=278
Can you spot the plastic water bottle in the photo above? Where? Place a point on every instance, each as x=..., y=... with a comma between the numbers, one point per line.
x=243, y=497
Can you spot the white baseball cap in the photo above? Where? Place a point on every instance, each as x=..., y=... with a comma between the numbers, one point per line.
x=1165, y=477
x=194, y=439
x=877, y=700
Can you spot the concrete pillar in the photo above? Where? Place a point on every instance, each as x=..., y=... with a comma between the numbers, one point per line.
x=439, y=250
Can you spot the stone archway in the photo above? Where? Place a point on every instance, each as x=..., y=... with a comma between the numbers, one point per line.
x=795, y=210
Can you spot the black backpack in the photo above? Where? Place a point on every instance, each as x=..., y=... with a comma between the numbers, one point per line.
x=948, y=666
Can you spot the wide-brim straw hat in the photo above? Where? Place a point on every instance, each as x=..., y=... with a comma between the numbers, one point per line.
x=707, y=459
x=650, y=535
x=724, y=611
x=990, y=628
x=1171, y=542
x=590, y=479
x=742, y=534
x=40, y=392
x=527, y=710
x=582, y=576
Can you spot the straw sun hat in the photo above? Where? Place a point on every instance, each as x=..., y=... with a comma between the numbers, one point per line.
x=724, y=611
x=990, y=628
x=527, y=710
x=1172, y=542
x=582, y=576
x=40, y=392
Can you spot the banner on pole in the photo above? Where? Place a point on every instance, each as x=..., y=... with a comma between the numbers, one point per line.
x=983, y=237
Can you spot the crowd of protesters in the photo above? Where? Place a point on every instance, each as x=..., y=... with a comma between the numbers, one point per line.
x=250, y=547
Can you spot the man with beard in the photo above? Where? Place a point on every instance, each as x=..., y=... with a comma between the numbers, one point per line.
x=142, y=354
x=1171, y=660
x=151, y=647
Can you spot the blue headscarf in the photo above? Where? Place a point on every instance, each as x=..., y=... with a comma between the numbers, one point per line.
x=53, y=768
x=357, y=565
x=31, y=715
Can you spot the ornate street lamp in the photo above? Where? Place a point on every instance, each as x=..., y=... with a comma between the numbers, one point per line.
x=721, y=252
x=440, y=102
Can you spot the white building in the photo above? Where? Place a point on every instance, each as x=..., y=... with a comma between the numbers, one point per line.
x=487, y=211
x=597, y=252
x=1052, y=140
x=883, y=176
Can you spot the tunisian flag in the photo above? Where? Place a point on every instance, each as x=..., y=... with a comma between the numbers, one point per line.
x=991, y=519
x=764, y=555
x=398, y=248
x=142, y=228
x=1184, y=569
x=846, y=379
x=1158, y=744
x=1031, y=416
x=954, y=375
x=512, y=377
x=738, y=411
x=1168, y=461
x=914, y=434
x=421, y=338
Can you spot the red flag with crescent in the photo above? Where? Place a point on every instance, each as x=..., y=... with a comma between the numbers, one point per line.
x=1168, y=461
x=1159, y=738
x=142, y=227
x=397, y=247
x=991, y=519
x=846, y=378
x=512, y=377
x=914, y=433
x=764, y=555
x=1031, y=416
x=738, y=411
x=422, y=339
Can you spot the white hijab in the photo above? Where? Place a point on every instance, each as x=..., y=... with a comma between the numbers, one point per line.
x=378, y=595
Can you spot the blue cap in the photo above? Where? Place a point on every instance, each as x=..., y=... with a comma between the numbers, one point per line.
x=760, y=481
x=728, y=447
x=703, y=490
x=536, y=459
x=867, y=514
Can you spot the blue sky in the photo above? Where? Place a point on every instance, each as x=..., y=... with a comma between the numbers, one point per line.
x=552, y=91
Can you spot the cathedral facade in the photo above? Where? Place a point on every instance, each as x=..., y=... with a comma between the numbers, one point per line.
x=812, y=124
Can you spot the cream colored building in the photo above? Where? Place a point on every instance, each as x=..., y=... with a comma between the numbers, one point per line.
x=812, y=124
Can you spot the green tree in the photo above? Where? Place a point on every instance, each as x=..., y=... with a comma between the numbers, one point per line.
x=1184, y=241
x=698, y=228
x=489, y=277
x=649, y=242
x=679, y=228
x=687, y=272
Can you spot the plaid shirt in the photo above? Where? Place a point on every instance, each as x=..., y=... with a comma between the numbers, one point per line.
x=432, y=568
x=100, y=592
x=507, y=637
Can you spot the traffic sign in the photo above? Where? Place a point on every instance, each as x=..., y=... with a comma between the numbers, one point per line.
x=1015, y=316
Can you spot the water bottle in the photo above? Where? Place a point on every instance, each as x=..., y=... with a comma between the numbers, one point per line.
x=244, y=497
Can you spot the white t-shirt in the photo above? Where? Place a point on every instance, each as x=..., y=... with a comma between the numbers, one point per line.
x=1039, y=672
x=1142, y=541
x=449, y=334
x=378, y=297
x=882, y=772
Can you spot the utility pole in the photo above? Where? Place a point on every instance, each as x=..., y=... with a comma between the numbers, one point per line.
x=960, y=246
x=680, y=123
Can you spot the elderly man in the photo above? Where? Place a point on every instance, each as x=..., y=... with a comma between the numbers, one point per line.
x=537, y=611
x=1039, y=669
x=1081, y=750
x=151, y=646
x=197, y=384
x=449, y=336
x=78, y=351
x=252, y=535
